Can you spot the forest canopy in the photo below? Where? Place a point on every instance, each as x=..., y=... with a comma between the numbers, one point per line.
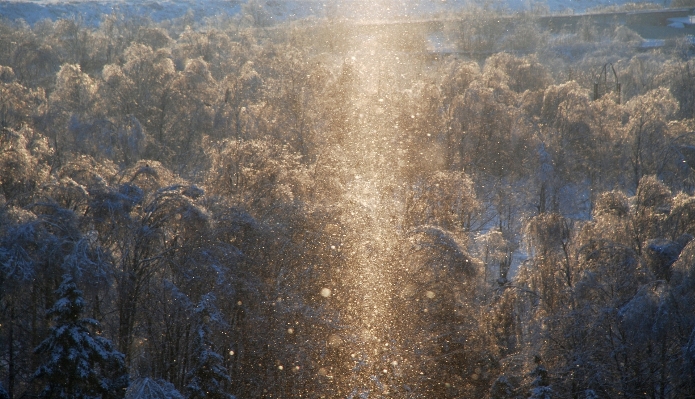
x=323, y=209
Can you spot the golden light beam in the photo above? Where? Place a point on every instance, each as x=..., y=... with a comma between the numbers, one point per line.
x=370, y=152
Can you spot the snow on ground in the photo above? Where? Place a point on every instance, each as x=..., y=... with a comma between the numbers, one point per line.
x=91, y=11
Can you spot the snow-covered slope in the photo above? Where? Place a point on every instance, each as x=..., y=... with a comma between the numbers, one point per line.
x=91, y=11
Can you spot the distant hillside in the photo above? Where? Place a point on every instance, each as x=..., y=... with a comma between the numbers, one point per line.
x=91, y=11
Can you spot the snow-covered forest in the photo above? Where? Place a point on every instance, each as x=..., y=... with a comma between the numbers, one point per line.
x=322, y=208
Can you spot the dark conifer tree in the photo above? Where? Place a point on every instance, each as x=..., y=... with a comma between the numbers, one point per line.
x=540, y=387
x=209, y=376
x=77, y=362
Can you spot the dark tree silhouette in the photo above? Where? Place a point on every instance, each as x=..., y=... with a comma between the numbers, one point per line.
x=78, y=363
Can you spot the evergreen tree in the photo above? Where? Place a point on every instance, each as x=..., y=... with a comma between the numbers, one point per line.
x=541, y=381
x=502, y=388
x=209, y=376
x=147, y=388
x=78, y=363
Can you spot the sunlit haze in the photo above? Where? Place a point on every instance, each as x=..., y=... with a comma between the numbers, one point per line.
x=347, y=199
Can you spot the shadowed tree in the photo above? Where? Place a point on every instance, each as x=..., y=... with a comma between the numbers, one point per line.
x=208, y=377
x=78, y=362
x=147, y=388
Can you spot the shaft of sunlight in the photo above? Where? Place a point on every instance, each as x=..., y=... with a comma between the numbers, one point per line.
x=371, y=146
